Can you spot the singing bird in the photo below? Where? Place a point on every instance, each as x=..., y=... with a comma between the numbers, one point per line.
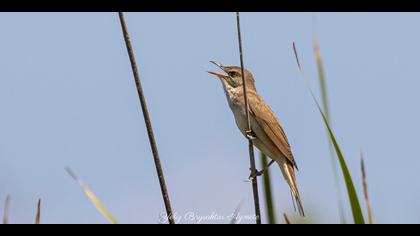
x=268, y=135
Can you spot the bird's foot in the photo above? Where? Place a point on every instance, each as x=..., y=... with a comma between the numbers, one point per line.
x=250, y=135
x=256, y=174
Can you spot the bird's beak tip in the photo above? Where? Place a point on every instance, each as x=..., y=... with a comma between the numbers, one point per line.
x=220, y=76
x=217, y=64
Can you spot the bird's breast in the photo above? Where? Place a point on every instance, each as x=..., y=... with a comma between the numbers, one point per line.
x=240, y=118
x=236, y=103
x=238, y=110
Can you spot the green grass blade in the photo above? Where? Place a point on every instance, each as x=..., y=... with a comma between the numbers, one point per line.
x=93, y=198
x=351, y=190
x=269, y=203
x=326, y=109
x=321, y=76
x=38, y=213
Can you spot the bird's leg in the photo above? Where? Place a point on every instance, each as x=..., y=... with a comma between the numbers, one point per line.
x=261, y=172
x=250, y=135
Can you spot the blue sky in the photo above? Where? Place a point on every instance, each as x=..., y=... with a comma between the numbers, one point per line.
x=67, y=98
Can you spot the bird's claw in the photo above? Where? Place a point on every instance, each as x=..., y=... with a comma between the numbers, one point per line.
x=250, y=135
x=256, y=174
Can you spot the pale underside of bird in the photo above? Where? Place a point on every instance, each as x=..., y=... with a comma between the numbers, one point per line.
x=268, y=135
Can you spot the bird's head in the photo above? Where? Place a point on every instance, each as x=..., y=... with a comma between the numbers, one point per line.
x=233, y=76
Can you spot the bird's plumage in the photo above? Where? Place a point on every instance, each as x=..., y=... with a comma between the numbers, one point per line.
x=269, y=123
x=270, y=137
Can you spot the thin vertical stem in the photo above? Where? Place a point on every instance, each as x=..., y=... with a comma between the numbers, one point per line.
x=286, y=219
x=6, y=210
x=38, y=213
x=269, y=203
x=250, y=142
x=147, y=120
x=365, y=189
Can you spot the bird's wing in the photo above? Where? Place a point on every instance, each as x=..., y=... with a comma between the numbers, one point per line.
x=266, y=119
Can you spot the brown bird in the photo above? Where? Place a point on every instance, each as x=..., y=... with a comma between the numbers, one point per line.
x=268, y=135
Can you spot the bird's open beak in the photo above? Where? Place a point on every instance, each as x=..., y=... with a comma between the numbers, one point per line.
x=221, y=76
x=216, y=74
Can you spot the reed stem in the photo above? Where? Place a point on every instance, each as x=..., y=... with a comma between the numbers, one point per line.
x=147, y=120
x=250, y=142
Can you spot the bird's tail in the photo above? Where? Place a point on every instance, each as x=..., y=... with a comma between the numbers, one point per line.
x=289, y=174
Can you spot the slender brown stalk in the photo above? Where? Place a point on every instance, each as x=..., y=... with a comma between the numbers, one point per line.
x=38, y=213
x=250, y=142
x=147, y=119
x=365, y=189
x=6, y=210
x=286, y=219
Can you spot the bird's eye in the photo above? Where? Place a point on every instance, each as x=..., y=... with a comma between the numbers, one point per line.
x=233, y=74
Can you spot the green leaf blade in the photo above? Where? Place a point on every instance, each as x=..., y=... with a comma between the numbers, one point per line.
x=351, y=190
x=268, y=193
x=95, y=201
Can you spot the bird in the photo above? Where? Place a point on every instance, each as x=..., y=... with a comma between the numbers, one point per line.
x=267, y=134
